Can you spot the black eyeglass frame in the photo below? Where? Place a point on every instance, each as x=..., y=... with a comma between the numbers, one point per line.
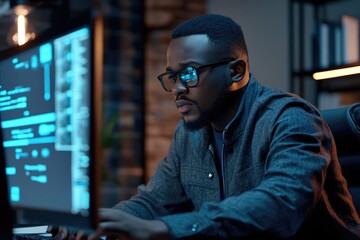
x=176, y=74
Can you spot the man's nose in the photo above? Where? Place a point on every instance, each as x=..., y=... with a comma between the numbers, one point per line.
x=179, y=88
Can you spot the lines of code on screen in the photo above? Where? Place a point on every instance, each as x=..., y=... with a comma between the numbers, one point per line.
x=45, y=116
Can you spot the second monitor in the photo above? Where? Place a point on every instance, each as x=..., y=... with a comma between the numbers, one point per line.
x=50, y=102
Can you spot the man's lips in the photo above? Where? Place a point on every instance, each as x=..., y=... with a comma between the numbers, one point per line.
x=183, y=106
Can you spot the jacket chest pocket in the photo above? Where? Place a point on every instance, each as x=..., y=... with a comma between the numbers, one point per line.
x=247, y=179
x=200, y=185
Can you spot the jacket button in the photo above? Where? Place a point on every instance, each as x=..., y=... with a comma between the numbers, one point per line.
x=211, y=175
x=194, y=227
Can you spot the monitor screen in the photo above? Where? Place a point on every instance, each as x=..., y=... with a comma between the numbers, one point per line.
x=6, y=215
x=50, y=114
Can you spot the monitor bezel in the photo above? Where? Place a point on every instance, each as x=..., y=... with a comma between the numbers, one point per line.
x=94, y=20
x=6, y=218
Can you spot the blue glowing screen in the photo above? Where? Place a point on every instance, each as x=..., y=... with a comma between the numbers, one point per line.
x=45, y=113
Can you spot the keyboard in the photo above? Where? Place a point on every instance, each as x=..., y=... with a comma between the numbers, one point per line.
x=33, y=237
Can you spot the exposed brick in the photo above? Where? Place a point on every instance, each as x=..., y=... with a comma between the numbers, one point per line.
x=161, y=115
x=163, y=4
x=134, y=54
x=158, y=18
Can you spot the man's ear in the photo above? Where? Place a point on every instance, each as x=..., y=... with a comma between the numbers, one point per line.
x=239, y=74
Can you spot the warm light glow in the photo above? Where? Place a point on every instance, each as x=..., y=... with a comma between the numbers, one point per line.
x=336, y=73
x=21, y=32
x=21, y=29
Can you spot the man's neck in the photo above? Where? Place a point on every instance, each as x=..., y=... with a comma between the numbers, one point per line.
x=228, y=112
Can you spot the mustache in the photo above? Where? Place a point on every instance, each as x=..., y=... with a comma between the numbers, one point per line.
x=184, y=98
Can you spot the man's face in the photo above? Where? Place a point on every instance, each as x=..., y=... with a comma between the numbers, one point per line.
x=204, y=103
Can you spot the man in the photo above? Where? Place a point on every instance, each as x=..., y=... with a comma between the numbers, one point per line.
x=246, y=161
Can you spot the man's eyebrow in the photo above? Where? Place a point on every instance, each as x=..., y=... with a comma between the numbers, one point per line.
x=183, y=65
x=190, y=63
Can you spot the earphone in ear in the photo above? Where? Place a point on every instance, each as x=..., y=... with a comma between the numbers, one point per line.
x=239, y=77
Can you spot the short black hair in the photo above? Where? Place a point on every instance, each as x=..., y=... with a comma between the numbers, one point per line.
x=223, y=32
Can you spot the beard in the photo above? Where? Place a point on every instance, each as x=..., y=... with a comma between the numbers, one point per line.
x=221, y=105
x=202, y=121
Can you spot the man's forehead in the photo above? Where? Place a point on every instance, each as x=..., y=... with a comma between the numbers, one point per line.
x=190, y=41
x=195, y=48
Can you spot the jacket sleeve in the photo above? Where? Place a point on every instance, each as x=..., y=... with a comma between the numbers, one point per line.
x=163, y=194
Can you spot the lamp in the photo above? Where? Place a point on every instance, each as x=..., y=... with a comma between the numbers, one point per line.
x=21, y=32
x=334, y=73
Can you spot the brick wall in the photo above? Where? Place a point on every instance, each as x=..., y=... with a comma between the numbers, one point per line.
x=139, y=117
x=161, y=16
x=123, y=99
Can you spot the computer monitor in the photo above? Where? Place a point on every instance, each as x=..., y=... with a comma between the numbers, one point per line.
x=50, y=109
x=6, y=215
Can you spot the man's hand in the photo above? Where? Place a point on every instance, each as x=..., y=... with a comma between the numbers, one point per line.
x=120, y=225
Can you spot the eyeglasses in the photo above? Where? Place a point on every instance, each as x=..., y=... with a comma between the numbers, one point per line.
x=188, y=76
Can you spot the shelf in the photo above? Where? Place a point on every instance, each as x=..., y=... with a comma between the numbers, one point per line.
x=340, y=84
x=310, y=72
x=346, y=83
x=304, y=34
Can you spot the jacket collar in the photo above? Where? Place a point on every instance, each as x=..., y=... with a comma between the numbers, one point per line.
x=237, y=125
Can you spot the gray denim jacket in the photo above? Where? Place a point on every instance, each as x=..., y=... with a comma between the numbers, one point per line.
x=282, y=178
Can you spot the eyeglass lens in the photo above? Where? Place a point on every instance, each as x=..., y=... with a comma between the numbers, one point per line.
x=188, y=76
